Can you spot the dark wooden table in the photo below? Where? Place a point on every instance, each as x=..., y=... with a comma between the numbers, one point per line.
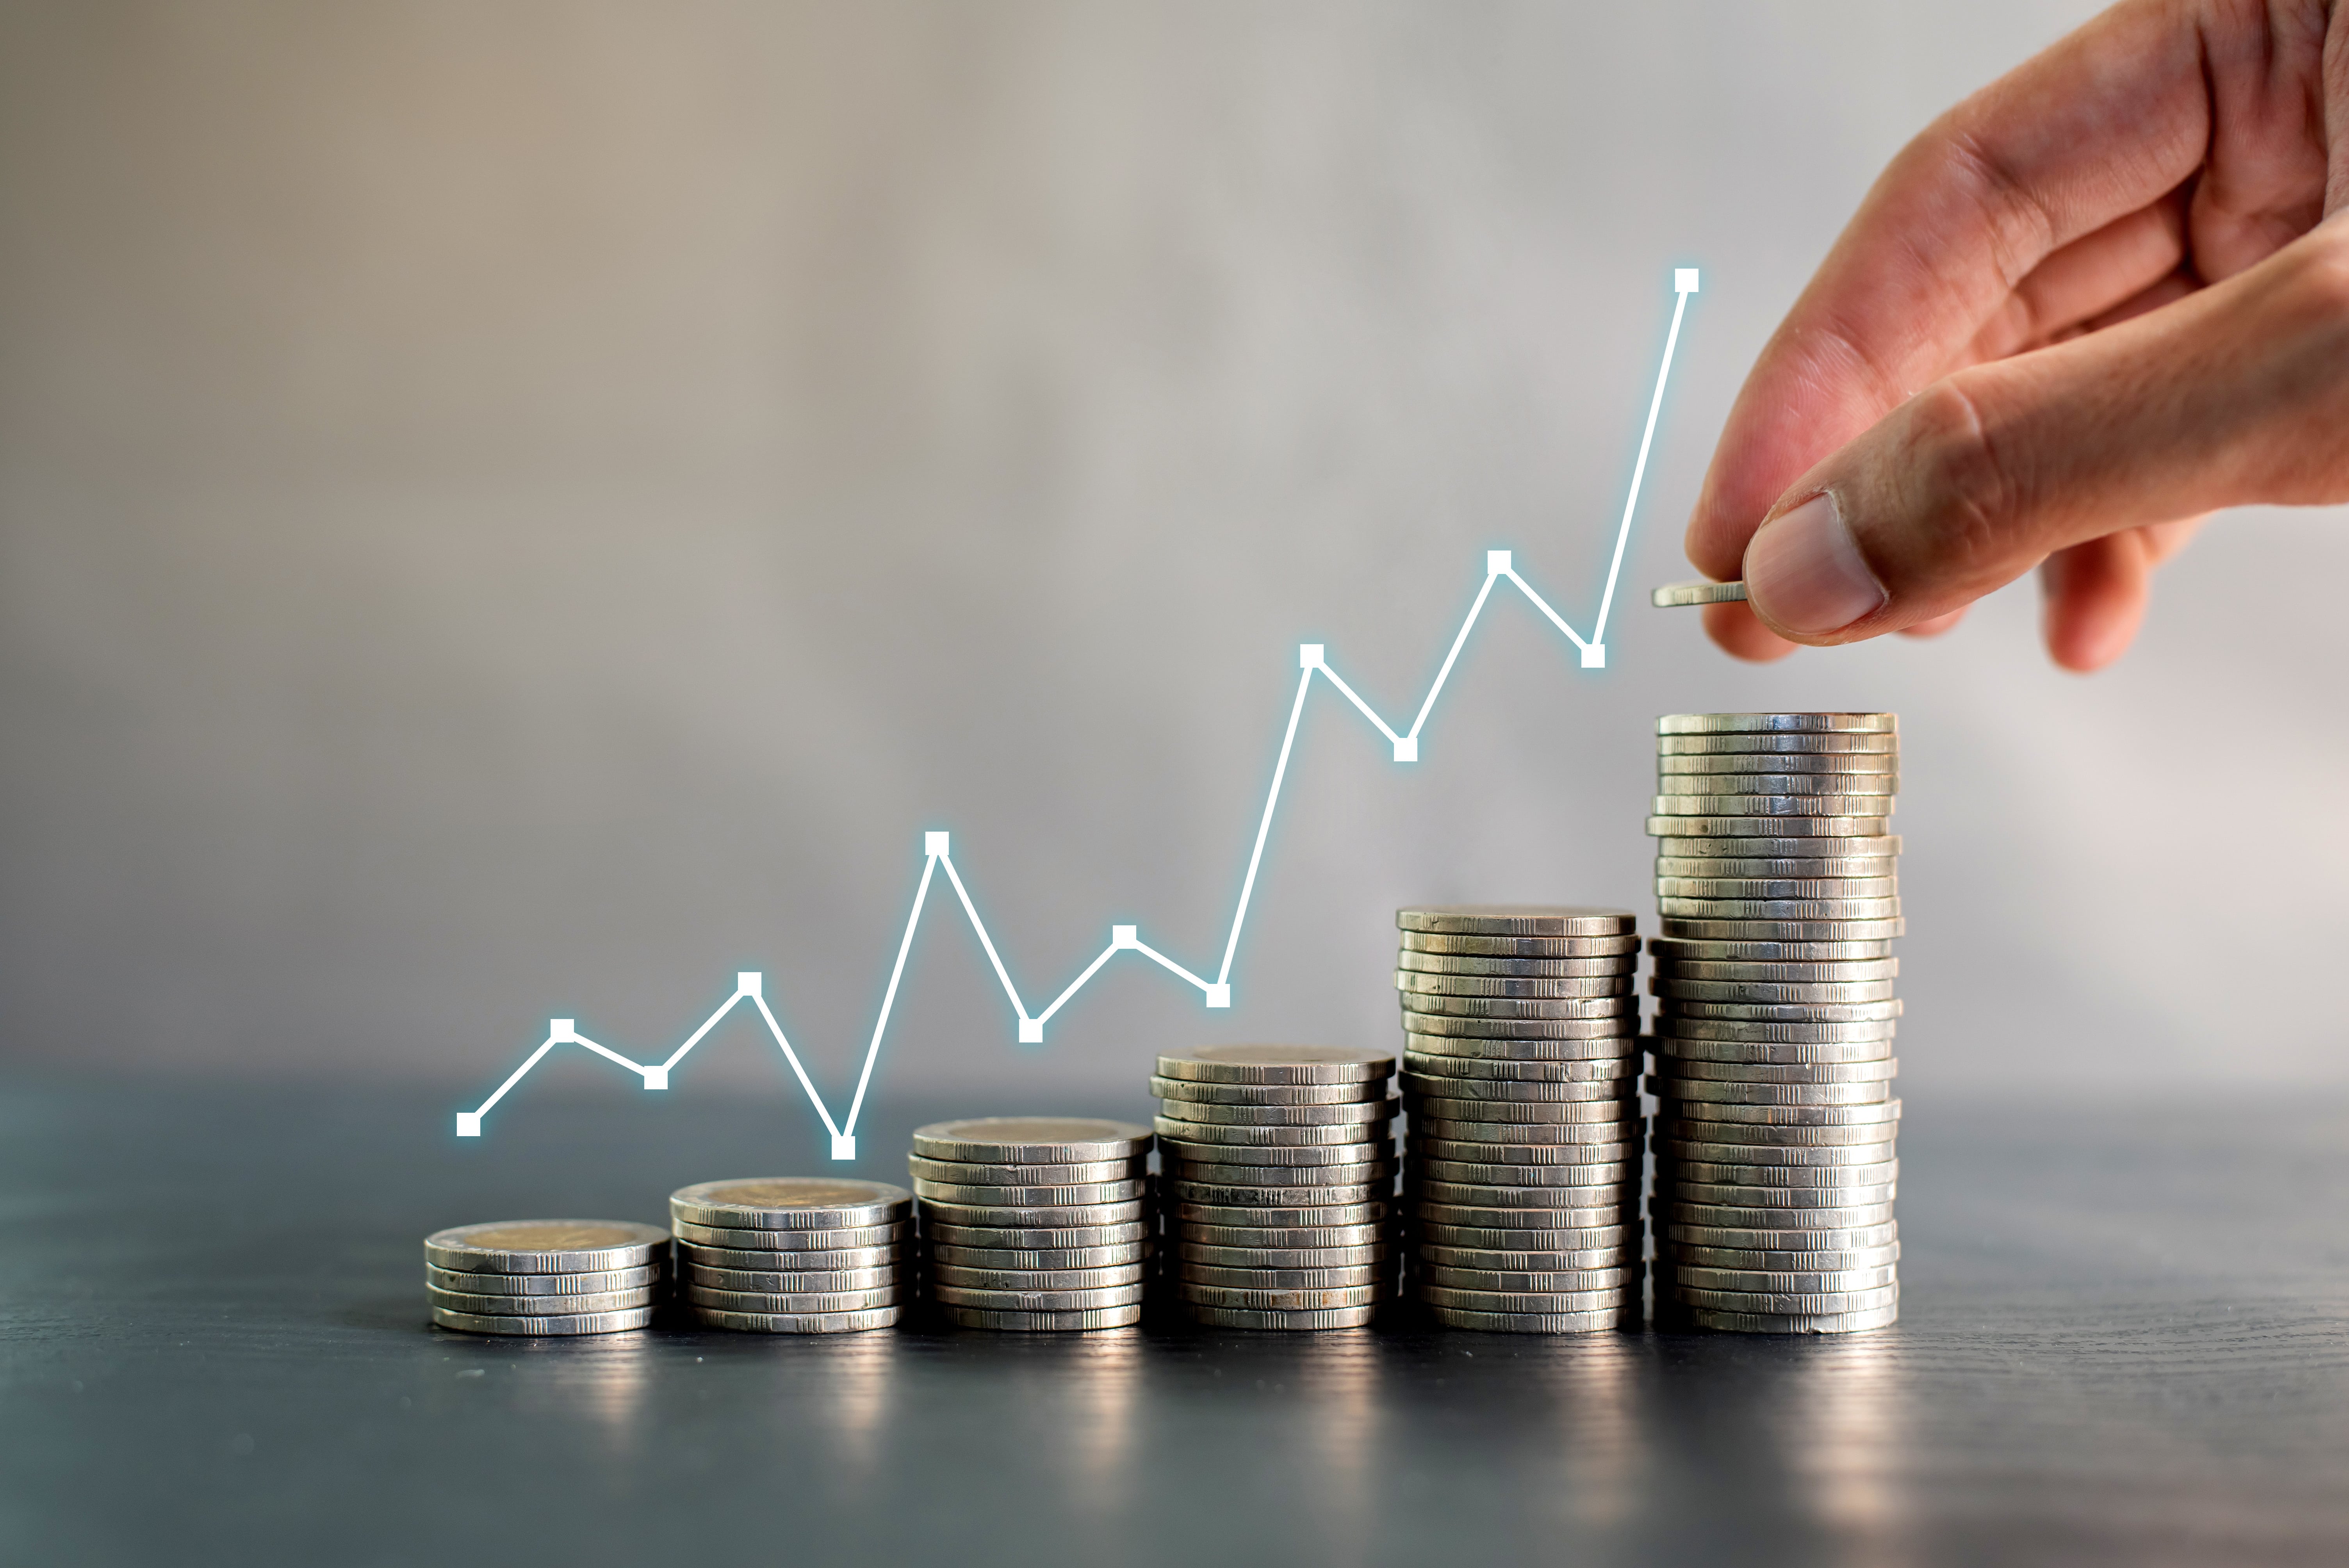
x=2124, y=1337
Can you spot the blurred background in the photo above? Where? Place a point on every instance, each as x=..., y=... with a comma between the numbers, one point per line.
x=526, y=510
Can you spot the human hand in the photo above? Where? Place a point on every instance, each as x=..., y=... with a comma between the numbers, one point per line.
x=2105, y=295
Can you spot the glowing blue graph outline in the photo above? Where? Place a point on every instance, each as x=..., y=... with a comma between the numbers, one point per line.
x=750, y=986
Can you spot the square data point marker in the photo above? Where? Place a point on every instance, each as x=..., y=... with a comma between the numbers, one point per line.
x=1219, y=995
x=1594, y=657
x=749, y=983
x=1309, y=656
x=1407, y=749
x=1124, y=937
x=656, y=1077
x=1495, y=562
x=1684, y=279
x=469, y=1124
x=561, y=1028
x=844, y=1146
x=1031, y=1031
x=934, y=843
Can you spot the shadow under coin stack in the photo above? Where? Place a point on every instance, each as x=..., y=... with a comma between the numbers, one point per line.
x=1279, y=1164
x=545, y=1276
x=792, y=1254
x=1034, y=1222
x=1521, y=1065
x=1776, y=874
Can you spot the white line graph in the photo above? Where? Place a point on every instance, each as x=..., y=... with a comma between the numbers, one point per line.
x=1312, y=660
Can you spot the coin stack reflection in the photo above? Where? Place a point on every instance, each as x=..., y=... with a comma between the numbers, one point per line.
x=545, y=1276
x=1278, y=1163
x=1776, y=876
x=792, y=1254
x=1521, y=1075
x=1034, y=1222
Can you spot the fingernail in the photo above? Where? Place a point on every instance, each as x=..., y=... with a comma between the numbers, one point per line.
x=1805, y=574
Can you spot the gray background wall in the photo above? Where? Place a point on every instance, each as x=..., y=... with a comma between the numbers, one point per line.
x=525, y=509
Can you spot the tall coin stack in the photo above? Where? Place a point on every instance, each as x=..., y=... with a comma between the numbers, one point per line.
x=792, y=1254
x=1278, y=1164
x=1776, y=878
x=545, y=1276
x=1034, y=1222
x=1521, y=1064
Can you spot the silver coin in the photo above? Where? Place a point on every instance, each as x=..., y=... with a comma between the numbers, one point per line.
x=1521, y=946
x=1685, y=827
x=1226, y=1172
x=1411, y=982
x=1797, y=1263
x=1708, y=930
x=1292, y=1240
x=1034, y=1300
x=1781, y=1284
x=1626, y=1316
x=1828, y=876
x=1819, y=1305
x=795, y=1240
x=1690, y=1129
x=1620, y=1042
x=1354, y=1278
x=1031, y=1139
x=1699, y=1151
x=1807, y=1117
x=781, y=1304
x=1025, y=1238
x=1781, y=1240
x=1673, y=1188
x=1428, y=1109
x=1617, y=1257
x=1733, y=789
x=991, y=1216
x=1581, y=1300
x=1668, y=1211
x=1676, y=1008
x=1482, y=1217
x=1524, y=1282
x=1800, y=845
x=1513, y=1238
x=1433, y=1147
x=1054, y=1258
x=768, y=1281
x=1182, y=1152
x=1304, y=1300
x=1589, y=1070
x=1323, y=1216
x=1275, y=1064
x=1554, y=1201
x=1685, y=1070
x=1113, y=1276
x=1243, y=1317
x=788, y=1203
x=1679, y=1051
x=1518, y=920
x=1595, y=1092
x=581, y=1322
x=1732, y=972
x=1797, y=1178
x=1518, y=968
x=1212, y=1256
x=603, y=1282
x=1421, y=1028
x=1684, y=952
x=1682, y=595
x=1033, y=1197
x=1758, y=1032
x=1190, y=1090
x=1044, y=1322
x=1812, y=807
x=1453, y=1131
x=971, y=1173
x=1229, y=1136
x=1786, y=898
x=1778, y=723
x=1816, y=743
x=547, y=1246
x=1791, y=1094
x=1751, y=1323
x=536, y=1305
x=1752, y=762
x=798, y=1322
x=1214, y=1196
x=1562, y=1177
x=1355, y=1113
x=1420, y=1004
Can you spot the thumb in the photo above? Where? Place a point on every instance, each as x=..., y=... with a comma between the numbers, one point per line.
x=2239, y=393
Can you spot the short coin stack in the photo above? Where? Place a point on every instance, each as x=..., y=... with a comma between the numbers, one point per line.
x=1034, y=1222
x=1277, y=1165
x=1521, y=1068
x=1776, y=874
x=792, y=1254
x=545, y=1276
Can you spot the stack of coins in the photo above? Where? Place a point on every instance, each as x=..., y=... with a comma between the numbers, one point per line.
x=545, y=1276
x=1521, y=1067
x=1034, y=1222
x=1279, y=1164
x=792, y=1254
x=1776, y=874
